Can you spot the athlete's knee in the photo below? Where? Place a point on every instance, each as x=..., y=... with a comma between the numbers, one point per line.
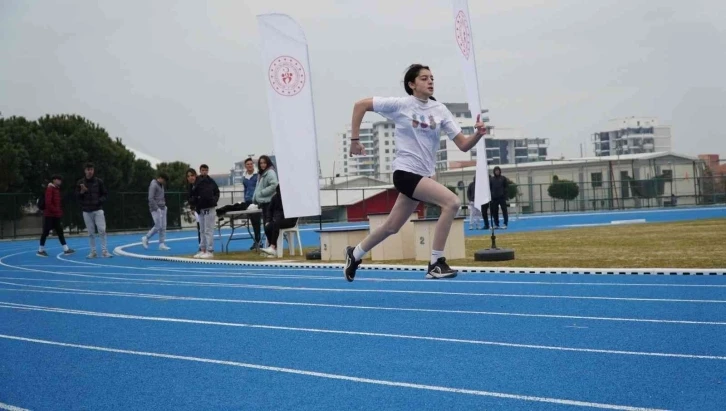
x=452, y=203
x=391, y=228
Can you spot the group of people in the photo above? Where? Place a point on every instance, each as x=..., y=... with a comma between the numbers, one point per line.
x=498, y=187
x=91, y=193
x=261, y=191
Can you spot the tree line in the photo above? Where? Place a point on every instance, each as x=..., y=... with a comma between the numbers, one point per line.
x=31, y=151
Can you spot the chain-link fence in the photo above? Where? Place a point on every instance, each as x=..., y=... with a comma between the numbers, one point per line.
x=19, y=216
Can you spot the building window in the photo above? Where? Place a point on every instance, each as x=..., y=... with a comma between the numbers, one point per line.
x=385, y=135
x=387, y=151
x=386, y=143
x=388, y=168
x=388, y=159
x=596, y=179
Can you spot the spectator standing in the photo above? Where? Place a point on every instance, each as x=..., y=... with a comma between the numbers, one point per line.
x=206, y=196
x=191, y=180
x=52, y=214
x=91, y=193
x=475, y=216
x=499, y=185
x=157, y=206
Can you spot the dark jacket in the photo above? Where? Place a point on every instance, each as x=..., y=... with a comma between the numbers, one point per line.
x=205, y=193
x=470, y=191
x=190, y=198
x=275, y=210
x=53, y=202
x=498, y=185
x=93, y=199
x=249, y=185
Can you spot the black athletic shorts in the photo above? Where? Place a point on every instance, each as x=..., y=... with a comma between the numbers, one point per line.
x=406, y=182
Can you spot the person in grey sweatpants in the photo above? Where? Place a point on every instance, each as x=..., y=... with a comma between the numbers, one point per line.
x=205, y=194
x=91, y=194
x=157, y=206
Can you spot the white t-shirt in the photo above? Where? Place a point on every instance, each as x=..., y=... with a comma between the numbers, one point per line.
x=418, y=127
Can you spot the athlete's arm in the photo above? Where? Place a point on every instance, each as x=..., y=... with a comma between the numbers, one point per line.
x=466, y=143
x=359, y=111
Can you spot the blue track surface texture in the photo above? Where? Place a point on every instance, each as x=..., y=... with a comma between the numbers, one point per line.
x=131, y=334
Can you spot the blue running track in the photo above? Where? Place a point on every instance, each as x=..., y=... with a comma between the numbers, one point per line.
x=131, y=334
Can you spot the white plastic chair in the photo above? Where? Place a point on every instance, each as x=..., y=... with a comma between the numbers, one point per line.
x=290, y=233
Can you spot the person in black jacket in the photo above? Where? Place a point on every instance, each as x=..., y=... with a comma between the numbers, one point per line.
x=91, y=193
x=205, y=193
x=191, y=180
x=499, y=185
x=276, y=223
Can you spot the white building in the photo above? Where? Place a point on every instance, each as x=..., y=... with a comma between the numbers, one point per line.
x=504, y=145
x=603, y=182
x=632, y=135
x=378, y=140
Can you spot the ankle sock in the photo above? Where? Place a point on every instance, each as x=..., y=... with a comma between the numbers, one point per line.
x=435, y=255
x=358, y=253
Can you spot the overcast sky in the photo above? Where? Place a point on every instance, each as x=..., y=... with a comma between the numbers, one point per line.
x=183, y=80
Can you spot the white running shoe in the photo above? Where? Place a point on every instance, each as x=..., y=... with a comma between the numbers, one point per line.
x=163, y=247
x=145, y=242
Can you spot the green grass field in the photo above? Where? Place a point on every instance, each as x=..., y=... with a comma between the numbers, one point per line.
x=688, y=244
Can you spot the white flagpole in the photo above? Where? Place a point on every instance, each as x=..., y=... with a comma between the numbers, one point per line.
x=292, y=114
x=464, y=41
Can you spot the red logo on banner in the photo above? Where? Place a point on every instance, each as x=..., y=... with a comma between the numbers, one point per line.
x=287, y=76
x=463, y=34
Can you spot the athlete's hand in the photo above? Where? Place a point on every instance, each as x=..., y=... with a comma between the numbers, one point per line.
x=356, y=148
x=481, y=127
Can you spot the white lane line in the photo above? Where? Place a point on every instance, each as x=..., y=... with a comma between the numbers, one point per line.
x=357, y=333
x=11, y=407
x=71, y=291
x=334, y=376
x=245, y=274
x=390, y=291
